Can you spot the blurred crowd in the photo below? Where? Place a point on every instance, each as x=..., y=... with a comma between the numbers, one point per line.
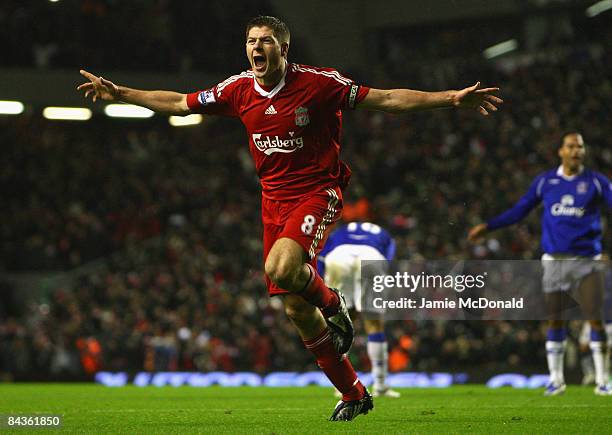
x=179, y=208
x=170, y=35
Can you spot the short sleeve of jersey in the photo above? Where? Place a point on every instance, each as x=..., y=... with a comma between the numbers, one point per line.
x=341, y=92
x=218, y=100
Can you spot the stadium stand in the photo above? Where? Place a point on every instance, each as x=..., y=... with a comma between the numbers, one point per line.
x=170, y=216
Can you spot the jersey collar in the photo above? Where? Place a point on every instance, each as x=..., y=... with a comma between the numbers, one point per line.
x=568, y=177
x=276, y=89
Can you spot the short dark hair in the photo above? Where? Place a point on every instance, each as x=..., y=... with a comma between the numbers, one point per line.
x=279, y=29
x=568, y=133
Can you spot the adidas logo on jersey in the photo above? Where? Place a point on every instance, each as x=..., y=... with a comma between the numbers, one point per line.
x=270, y=110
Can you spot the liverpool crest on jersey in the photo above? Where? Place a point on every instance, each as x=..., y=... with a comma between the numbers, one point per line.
x=301, y=117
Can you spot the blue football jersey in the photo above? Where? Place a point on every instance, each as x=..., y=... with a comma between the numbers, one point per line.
x=571, y=219
x=359, y=233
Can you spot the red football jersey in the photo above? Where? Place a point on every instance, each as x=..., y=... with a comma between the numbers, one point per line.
x=294, y=129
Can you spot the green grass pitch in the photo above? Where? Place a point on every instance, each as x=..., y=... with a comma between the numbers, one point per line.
x=89, y=408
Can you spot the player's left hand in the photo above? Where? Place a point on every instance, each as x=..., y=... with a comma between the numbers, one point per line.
x=482, y=100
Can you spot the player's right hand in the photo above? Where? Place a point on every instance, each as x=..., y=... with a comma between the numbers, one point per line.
x=98, y=87
x=477, y=232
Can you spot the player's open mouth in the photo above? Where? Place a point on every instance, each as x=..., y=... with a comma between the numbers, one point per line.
x=259, y=62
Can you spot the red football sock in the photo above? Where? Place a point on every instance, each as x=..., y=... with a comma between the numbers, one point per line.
x=336, y=367
x=318, y=294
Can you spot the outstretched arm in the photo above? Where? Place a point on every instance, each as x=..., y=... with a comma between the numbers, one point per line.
x=407, y=100
x=511, y=216
x=173, y=103
x=507, y=218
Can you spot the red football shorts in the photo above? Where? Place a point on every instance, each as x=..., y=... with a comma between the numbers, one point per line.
x=307, y=220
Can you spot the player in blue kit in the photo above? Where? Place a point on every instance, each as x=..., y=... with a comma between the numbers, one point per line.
x=340, y=263
x=571, y=230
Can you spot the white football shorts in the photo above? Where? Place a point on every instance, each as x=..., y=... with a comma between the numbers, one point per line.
x=343, y=270
x=564, y=272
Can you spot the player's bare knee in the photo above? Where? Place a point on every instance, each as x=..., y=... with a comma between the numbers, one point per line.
x=282, y=273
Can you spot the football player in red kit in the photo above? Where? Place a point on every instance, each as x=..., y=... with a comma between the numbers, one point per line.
x=293, y=116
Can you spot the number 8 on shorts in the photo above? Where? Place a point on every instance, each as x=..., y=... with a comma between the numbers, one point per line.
x=308, y=224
